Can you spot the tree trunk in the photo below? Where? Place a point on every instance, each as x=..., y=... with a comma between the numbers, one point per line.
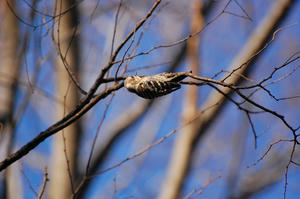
x=9, y=72
x=66, y=143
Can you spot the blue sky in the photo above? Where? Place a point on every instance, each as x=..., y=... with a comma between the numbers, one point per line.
x=220, y=42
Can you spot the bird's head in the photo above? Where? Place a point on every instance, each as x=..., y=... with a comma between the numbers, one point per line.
x=131, y=82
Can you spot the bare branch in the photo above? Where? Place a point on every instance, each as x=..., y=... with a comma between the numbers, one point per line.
x=66, y=121
x=86, y=104
x=287, y=169
x=28, y=180
x=44, y=184
x=97, y=134
x=196, y=192
x=253, y=130
x=267, y=151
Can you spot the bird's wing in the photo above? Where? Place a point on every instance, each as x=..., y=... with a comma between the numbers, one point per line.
x=174, y=77
x=153, y=87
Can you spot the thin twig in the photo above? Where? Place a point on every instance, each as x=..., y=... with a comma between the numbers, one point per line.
x=253, y=130
x=196, y=192
x=74, y=115
x=44, y=184
x=27, y=179
x=287, y=169
x=141, y=152
x=97, y=133
x=268, y=150
x=87, y=103
x=178, y=41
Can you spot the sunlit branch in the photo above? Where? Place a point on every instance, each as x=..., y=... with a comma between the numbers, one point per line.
x=74, y=115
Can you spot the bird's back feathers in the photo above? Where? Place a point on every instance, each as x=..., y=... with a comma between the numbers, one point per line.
x=150, y=87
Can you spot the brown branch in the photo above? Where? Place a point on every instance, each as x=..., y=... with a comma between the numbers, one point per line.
x=242, y=9
x=281, y=117
x=142, y=32
x=177, y=168
x=295, y=163
x=86, y=104
x=74, y=115
x=115, y=27
x=181, y=41
x=253, y=182
x=104, y=70
x=147, y=148
x=253, y=129
x=268, y=174
x=44, y=184
x=139, y=153
x=246, y=98
x=97, y=134
x=69, y=170
x=53, y=17
x=244, y=60
x=268, y=150
x=67, y=24
x=287, y=169
x=196, y=192
x=27, y=179
x=67, y=162
x=38, y=90
x=65, y=146
x=122, y=124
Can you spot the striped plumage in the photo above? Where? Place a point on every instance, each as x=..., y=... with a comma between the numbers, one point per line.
x=150, y=87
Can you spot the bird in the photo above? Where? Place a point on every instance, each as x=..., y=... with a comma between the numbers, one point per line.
x=150, y=87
